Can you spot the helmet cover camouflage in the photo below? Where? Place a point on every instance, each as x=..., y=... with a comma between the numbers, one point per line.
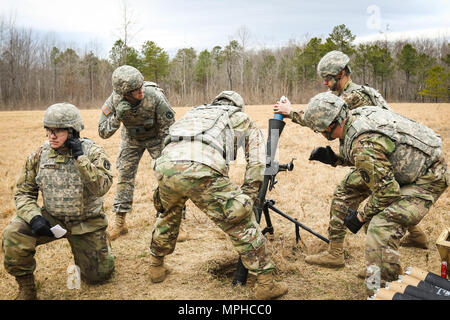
x=332, y=63
x=323, y=109
x=233, y=96
x=126, y=78
x=63, y=115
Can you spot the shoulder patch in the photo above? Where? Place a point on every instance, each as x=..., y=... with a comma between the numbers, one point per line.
x=106, y=110
x=365, y=176
x=169, y=114
x=106, y=164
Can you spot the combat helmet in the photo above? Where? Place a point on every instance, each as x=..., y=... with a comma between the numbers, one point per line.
x=63, y=115
x=332, y=63
x=232, y=96
x=126, y=78
x=323, y=109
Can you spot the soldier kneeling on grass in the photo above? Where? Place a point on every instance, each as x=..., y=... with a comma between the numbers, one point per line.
x=194, y=165
x=72, y=174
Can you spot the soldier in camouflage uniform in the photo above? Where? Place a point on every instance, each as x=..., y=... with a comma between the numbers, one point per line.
x=398, y=163
x=72, y=175
x=146, y=115
x=335, y=71
x=333, y=68
x=194, y=165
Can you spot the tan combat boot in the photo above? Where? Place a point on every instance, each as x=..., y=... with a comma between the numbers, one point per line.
x=183, y=236
x=362, y=273
x=158, y=271
x=266, y=288
x=416, y=238
x=120, y=226
x=333, y=257
x=27, y=288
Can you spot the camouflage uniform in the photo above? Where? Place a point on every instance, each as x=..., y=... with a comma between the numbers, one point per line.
x=72, y=192
x=402, y=176
x=198, y=171
x=145, y=127
x=353, y=94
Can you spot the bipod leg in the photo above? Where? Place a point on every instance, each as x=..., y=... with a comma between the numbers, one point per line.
x=269, y=226
x=297, y=233
x=281, y=213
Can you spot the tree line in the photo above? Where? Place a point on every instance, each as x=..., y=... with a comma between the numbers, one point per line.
x=36, y=71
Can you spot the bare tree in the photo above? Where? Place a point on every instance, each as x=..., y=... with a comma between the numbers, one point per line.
x=243, y=35
x=126, y=30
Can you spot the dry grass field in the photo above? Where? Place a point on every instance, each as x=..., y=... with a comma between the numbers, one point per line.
x=203, y=266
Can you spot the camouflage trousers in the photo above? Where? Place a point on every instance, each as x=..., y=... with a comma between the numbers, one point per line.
x=385, y=230
x=130, y=154
x=219, y=198
x=91, y=251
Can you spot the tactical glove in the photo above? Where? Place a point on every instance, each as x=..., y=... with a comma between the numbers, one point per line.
x=41, y=227
x=74, y=144
x=352, y=222
x=324, y=155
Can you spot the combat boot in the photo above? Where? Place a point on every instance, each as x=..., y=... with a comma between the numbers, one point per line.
x=158, y=271
x=183, y=236
x=362, y=273
x=27, y=288
x=416, y=238
x=120, y=226
x=333, y=257
x=266, y=288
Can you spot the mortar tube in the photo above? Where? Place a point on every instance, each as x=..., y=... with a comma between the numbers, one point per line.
x=429, y=277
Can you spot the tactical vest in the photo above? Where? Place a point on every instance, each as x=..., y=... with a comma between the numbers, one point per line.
x=140, y=121
x=64, y=195
x=376, y=98
x=417, y=147
x=209, y=124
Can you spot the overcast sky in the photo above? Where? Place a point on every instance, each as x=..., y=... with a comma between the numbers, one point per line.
x=203, y=24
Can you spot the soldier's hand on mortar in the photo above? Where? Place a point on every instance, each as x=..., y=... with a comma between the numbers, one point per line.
x=283, y=107
x=75, y=145
x=41, y=227
x=325, y=155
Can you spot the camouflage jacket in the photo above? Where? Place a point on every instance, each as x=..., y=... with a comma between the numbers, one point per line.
x=96, y=178
x=373, y=155
x=247, y=135
x=149, y=120
x=353, y=96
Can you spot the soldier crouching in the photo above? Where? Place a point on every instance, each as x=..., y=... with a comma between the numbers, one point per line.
x=194, y=165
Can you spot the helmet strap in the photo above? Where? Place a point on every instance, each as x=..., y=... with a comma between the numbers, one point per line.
x=336, y=80
x=73, y=134
x=330, y=132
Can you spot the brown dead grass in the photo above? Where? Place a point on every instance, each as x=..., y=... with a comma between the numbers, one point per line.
x=203, y=266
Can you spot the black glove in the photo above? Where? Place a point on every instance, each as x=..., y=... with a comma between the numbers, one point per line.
x=325, y=155
x=75, y=145
x=352, y=222
x=41, y=227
